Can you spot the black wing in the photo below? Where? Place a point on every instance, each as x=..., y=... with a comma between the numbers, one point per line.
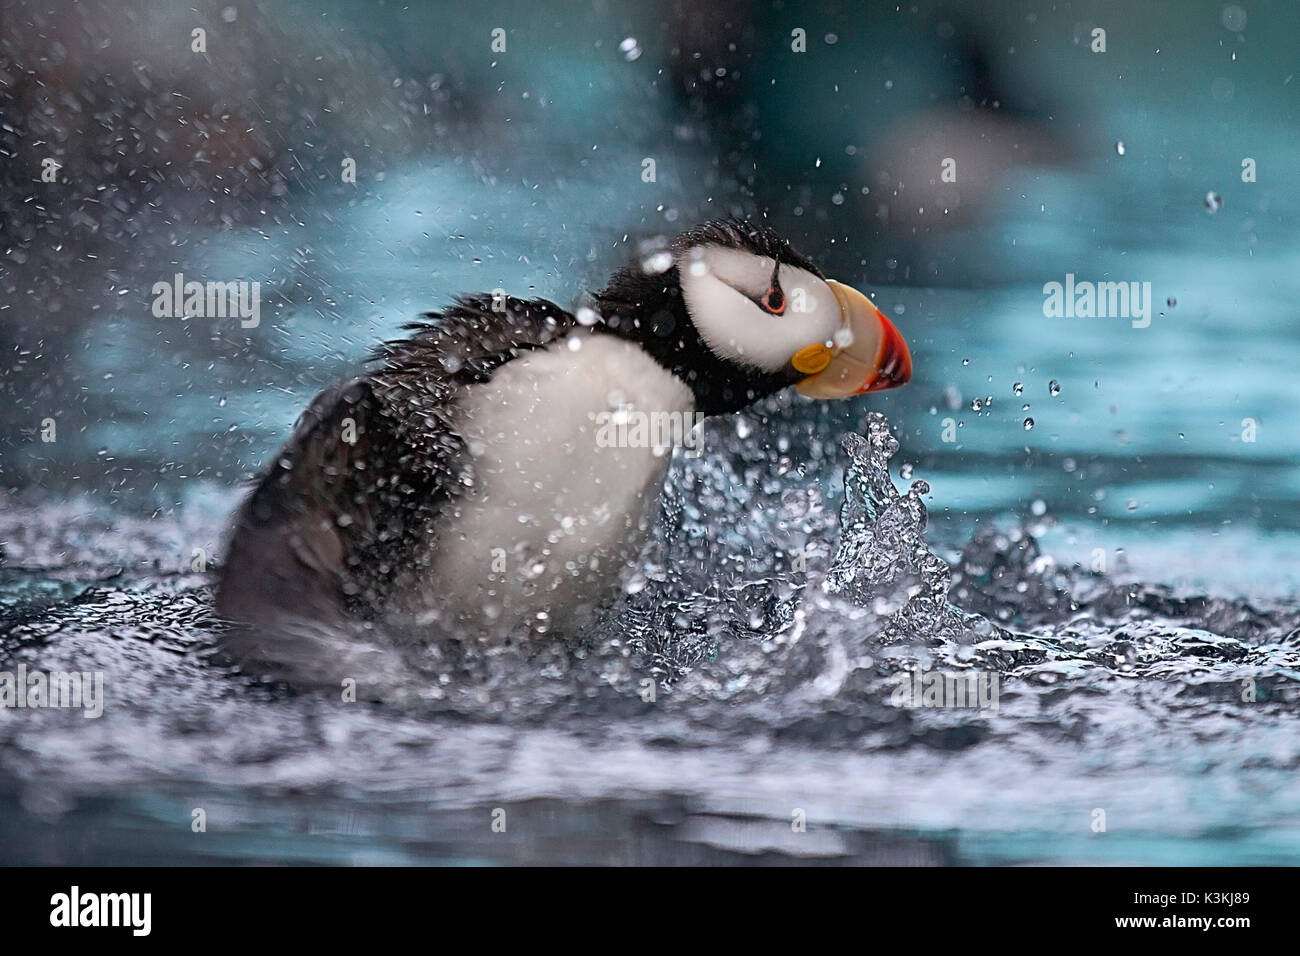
x=322, y=534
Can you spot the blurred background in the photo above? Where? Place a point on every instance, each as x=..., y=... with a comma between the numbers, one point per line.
x=505, y=145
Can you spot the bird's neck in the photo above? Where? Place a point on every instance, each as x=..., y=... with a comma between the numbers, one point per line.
x=650, y=311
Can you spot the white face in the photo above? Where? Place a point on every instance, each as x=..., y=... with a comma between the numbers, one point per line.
x=726, y=289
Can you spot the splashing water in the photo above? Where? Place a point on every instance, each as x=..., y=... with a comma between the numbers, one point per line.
x=882, y=561
x=772, y=688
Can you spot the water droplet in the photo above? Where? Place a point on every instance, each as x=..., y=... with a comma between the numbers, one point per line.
x=1017, y=388
x=657, y=263
x=797, y=503
x=976, y=405
x=1213, y=202
x=1233, y=18
x=1029, y=423
x=587, y=316
x=1222, y=89
x=905, y=472
x=965, y=361
x=630, y=49
x=1171, y=302
x=1054, y=387
x=1119, y=147
x=1039, y=507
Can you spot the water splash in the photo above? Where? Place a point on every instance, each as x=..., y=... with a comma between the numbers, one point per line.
x=721, y=677
x=882, y=560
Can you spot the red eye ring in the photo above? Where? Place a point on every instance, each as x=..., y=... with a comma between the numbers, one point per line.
x=774, y=301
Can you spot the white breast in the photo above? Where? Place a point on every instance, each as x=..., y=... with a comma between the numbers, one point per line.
x=544, y=538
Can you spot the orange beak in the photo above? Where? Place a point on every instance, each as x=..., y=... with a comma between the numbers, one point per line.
x=868, y=355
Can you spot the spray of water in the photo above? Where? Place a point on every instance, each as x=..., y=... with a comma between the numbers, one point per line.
x=882, y=560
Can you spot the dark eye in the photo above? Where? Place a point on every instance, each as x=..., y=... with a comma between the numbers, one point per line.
x=773, y=301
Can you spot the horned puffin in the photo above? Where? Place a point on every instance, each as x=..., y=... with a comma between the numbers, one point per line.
x=458, y=488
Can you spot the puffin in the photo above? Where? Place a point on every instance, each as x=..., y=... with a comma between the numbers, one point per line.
x=465, y=487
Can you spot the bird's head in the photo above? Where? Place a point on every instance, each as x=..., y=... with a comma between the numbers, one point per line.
x=737, y=313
